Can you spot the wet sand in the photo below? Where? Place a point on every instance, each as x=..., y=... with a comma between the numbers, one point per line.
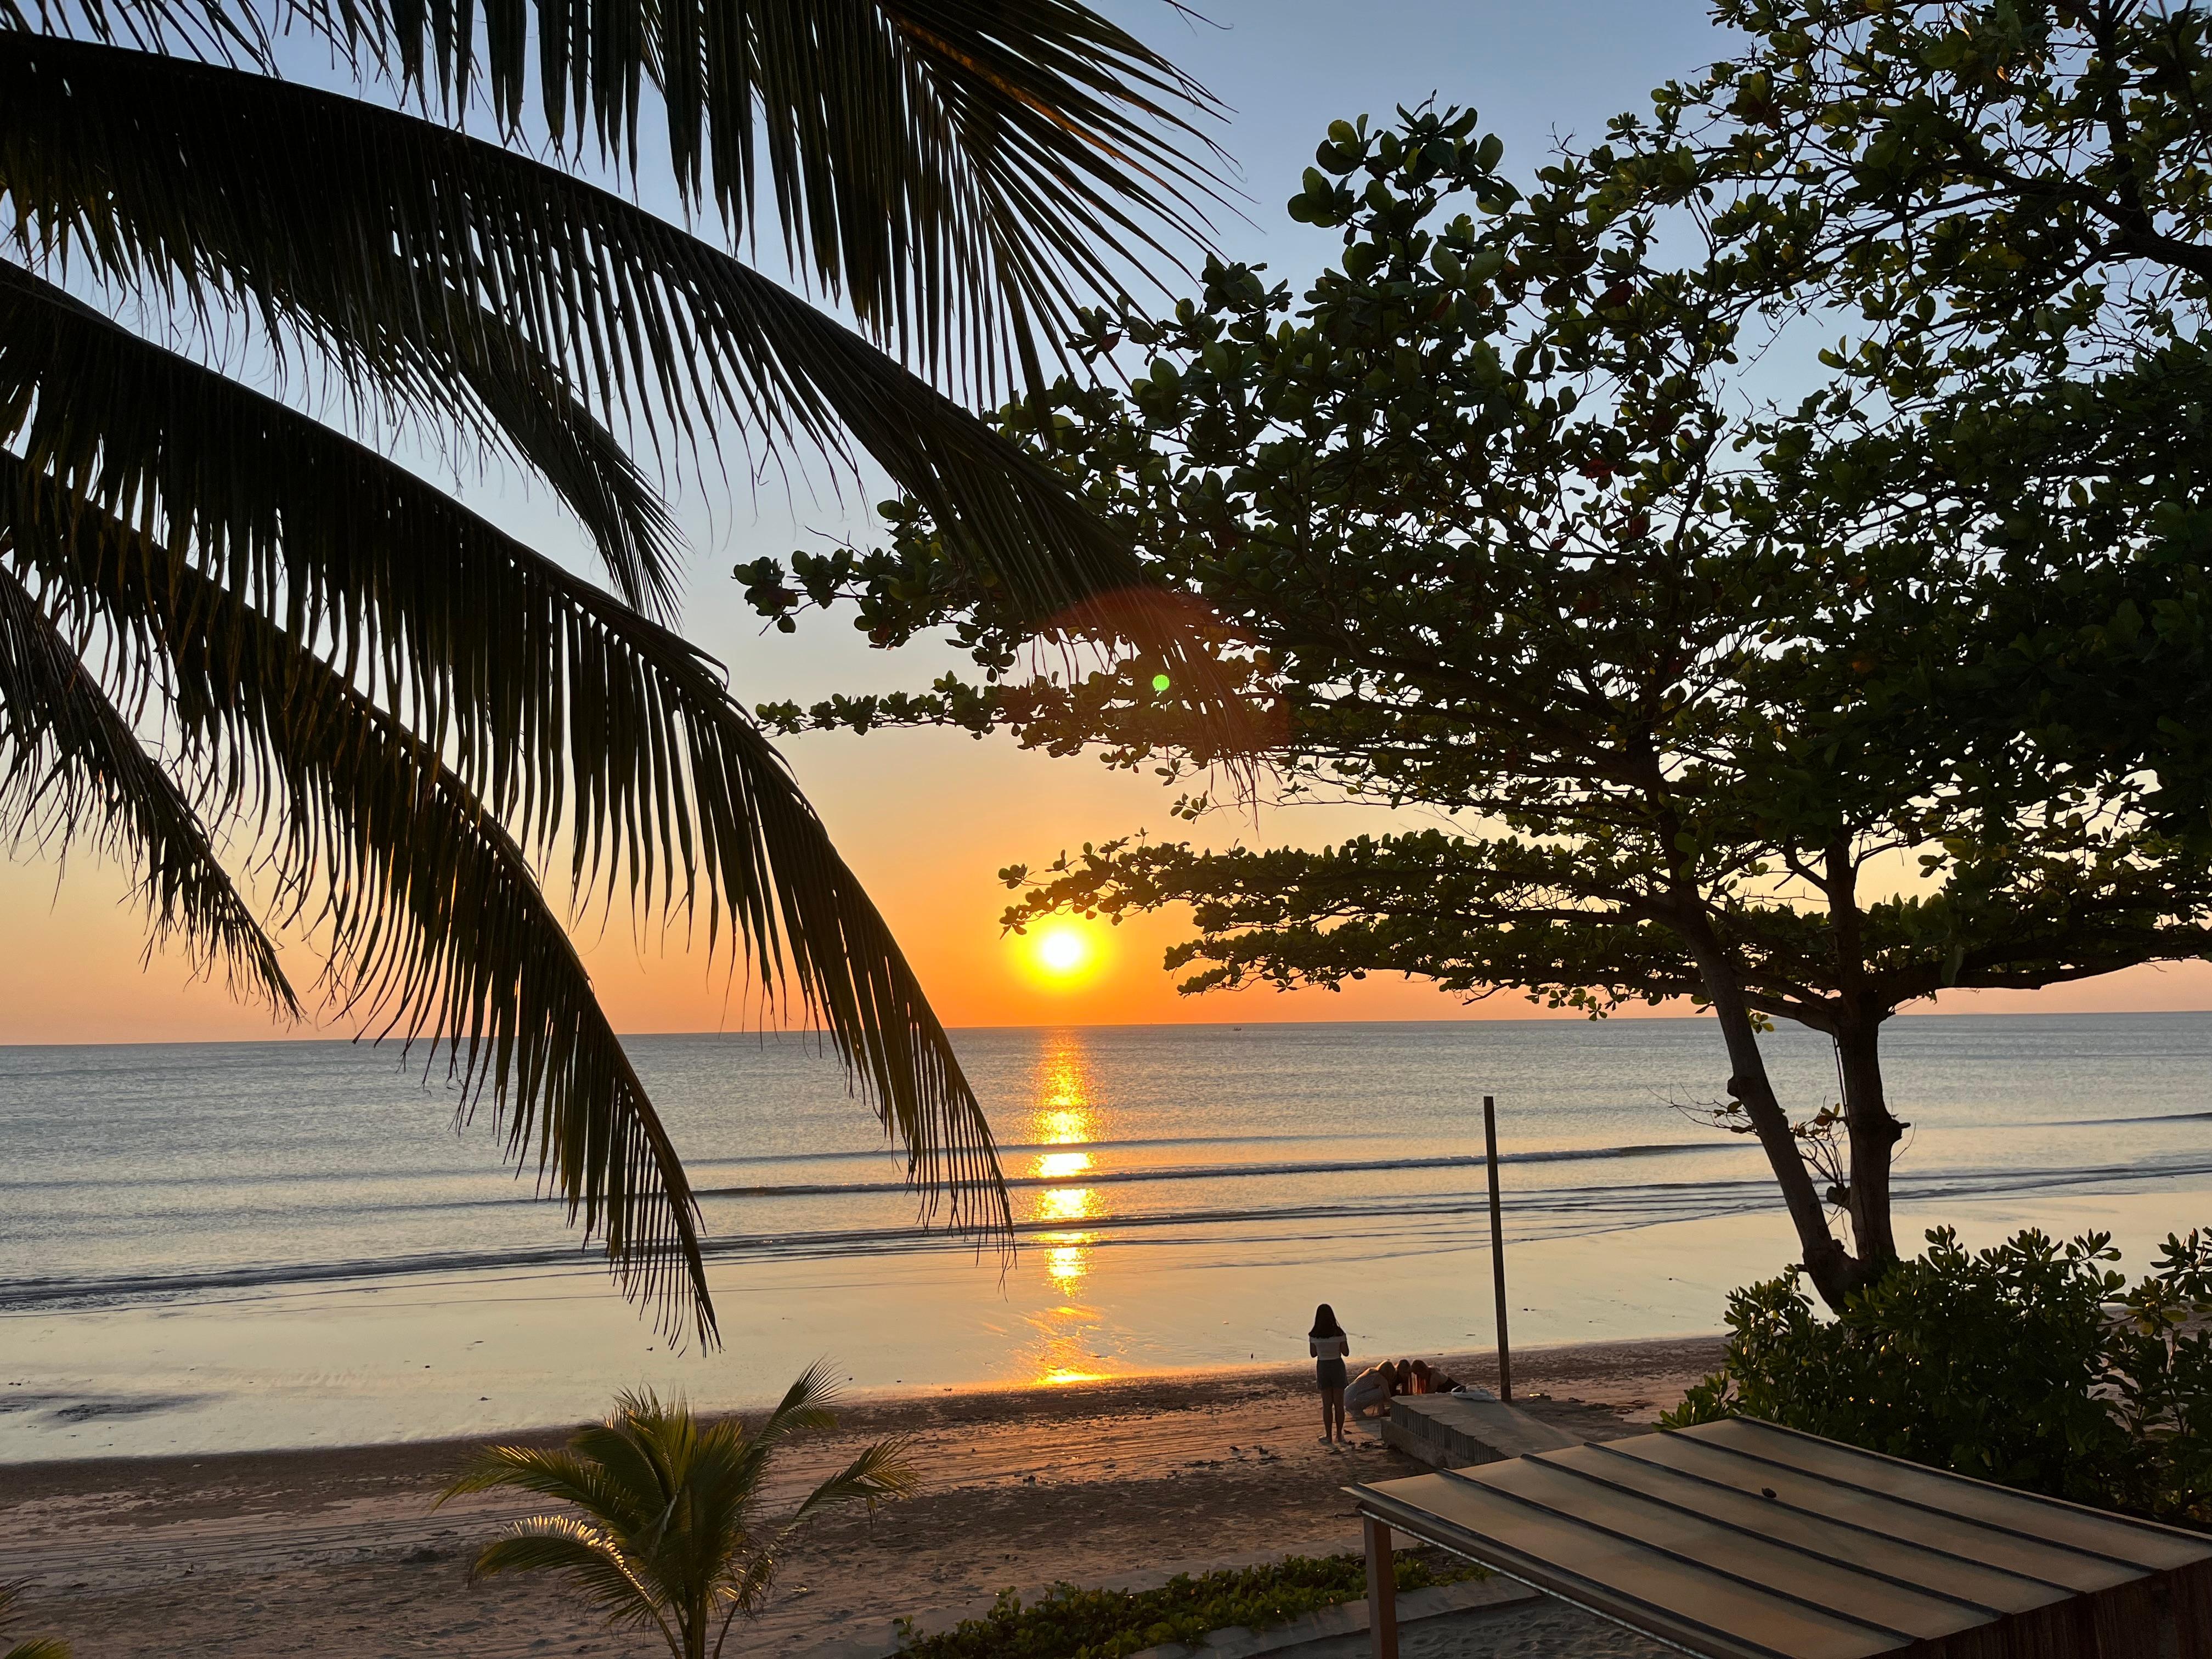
x=338, y=1552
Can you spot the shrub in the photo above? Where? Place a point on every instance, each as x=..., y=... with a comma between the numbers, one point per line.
x=2032, y=1364
x=1068, y=1623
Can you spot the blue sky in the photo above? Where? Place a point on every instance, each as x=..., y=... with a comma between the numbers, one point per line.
x=1535, y=71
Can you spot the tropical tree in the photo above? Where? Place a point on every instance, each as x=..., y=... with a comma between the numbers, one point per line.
x=35, y=1647
x=1720, y=711
x=1998, y=214
x=671, y=1536
x=234, y=637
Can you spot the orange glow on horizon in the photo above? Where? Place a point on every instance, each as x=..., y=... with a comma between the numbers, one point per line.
x=903, y=806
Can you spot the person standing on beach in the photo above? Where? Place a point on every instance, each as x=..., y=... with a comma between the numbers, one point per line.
x=1329, y=1346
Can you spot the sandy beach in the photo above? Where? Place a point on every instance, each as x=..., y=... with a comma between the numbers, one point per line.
x=337, y=1551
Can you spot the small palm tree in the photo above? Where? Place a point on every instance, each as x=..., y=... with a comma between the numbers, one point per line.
x=38, y=1647
x=670, y=1536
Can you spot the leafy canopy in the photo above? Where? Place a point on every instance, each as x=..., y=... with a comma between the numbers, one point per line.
x=1795, y=711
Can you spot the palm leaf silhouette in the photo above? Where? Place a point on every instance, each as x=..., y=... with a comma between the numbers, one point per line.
x=405, y=713
x=70, y=758
x=421, y=260
x=959, y=174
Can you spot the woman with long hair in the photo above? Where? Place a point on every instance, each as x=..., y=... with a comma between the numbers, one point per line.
x=1329, y=1346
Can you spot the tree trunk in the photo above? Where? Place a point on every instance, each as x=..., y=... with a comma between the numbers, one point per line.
x=1831, y=1269
x=1873, y=1135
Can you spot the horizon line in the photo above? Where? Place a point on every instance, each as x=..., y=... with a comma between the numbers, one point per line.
x=803, y=1031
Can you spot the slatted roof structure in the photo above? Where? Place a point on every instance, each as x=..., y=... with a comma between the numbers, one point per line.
x=1739, y=1540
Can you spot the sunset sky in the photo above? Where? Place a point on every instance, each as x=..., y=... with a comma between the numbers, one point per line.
x=929, y=818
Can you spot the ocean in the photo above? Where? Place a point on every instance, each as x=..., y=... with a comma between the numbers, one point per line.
x=209, y=1246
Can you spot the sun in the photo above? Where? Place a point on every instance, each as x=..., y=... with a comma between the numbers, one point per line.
x=1064, y=952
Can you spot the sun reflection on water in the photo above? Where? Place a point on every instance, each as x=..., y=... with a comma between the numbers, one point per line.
x=1066, y=1204
x=1063, y=1125
x=1066, y=1258
x=1065, y=1116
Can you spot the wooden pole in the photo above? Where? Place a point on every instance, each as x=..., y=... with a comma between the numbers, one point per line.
x=1381, y=1590
x=1497, y=1251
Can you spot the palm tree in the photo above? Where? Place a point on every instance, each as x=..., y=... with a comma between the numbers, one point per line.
x=36, y=1647
x=671, y=1537
x=234, y=637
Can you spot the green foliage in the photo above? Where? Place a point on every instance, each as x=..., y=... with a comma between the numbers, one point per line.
x=1971, y=182
x=1068, y=1623
x=670, y=1536
x=2031, y=1364
x=2003, y=207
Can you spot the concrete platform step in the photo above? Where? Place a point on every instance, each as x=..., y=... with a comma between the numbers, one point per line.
x=1456, y=1431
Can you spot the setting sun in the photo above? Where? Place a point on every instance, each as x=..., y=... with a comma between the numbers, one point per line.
x=1065, y=952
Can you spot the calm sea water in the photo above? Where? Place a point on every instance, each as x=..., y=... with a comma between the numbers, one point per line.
x=224, y=1247
x=156, y=1174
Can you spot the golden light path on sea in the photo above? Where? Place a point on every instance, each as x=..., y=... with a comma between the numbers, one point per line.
x=1062, y=1116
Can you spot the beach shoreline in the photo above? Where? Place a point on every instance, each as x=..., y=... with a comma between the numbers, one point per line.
x=337, y=1551
x=1609, y=1366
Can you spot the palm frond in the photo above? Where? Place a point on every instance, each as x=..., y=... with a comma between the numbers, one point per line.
x=879, y=1474
x=961, y=174
x=556, y=700
x=519, y=403
x=384, y=239
x=642, y=1448
x=742, y=1453
x=701, y=1556
x=565, y=1474
x=37, y=1647
x=71, y=764
x=590, y=1558
x=435, y=923
x=808, y=1406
